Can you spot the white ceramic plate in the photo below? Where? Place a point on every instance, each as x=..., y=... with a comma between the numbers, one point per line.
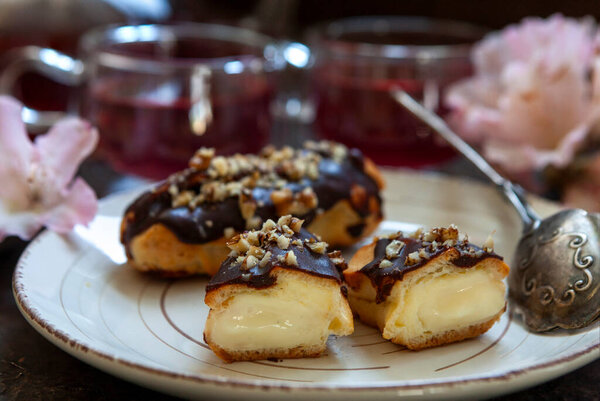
x=77, y=293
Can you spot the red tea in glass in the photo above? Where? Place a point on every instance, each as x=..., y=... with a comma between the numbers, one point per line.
x=157, y=93
x=358, y=61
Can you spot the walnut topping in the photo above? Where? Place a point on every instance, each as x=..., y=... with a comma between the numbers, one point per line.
x=265, y=259
x=256, y=251
x=449, y=242
x=290, y=259
x=296, y=224
x=318, y=247
x=250, y=250
x=239, y=244
x=173, y=190
x=413, y=258
x=393, y=249
x=488, y=245
x=337, y=259
x=384, y=264
x=182, y=199
x=212, y=178
x=221, y=166
x=283, y=242
x=253, y=238
x=269, y=225
x=284, y=220
x=251, y=261
x=201, y=159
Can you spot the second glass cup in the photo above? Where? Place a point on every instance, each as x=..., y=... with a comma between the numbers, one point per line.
x=358, y=61
x=157, y=93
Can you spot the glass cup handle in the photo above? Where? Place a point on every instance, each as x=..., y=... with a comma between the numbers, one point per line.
x=48, y=62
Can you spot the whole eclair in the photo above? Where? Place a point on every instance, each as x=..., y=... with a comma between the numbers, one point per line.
x=180, y=227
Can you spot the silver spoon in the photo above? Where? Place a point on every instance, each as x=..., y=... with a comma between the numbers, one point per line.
x=555, y=279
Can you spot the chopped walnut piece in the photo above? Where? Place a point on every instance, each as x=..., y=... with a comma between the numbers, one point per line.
x=183, y=199
x=238, y=244
x=488, y=245
x=337, y=259
x=173, y=190
x=384, y=264
x=251, y=261
x=296, y=224
x=413, y=258
x=423, y=253
x=318, y=247
x=290, y=259
x=430, y=236
x=268, y=225
x=393, y=249
x=417, y=234
x=284, y=220
x=202, y=158
x=221, y=166
x=449, y=243
x=283, y=242
x=265, y=259
x=256, y=251
x=253, y=238
x=297, y=243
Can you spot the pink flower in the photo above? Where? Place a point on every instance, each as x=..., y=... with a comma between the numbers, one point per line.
x=531, y=102
x=37, y=186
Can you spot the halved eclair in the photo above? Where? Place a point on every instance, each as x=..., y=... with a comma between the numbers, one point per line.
x=279, y=294
x=428, y=288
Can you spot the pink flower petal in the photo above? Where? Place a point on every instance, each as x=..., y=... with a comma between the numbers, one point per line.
x=526, y=157
x=16, y=151
x=64, y=147
x=22, y=224
x=79, y=207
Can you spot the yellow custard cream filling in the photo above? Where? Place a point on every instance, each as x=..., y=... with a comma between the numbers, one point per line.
x=289, y=315
x=452, y=301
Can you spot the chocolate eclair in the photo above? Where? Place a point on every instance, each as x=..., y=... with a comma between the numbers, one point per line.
x=428, y=288
x=180, y=227
x=278, y=295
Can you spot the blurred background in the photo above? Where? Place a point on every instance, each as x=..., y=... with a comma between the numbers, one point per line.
x=336, y=88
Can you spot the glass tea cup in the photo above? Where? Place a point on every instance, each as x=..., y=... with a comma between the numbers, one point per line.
x=356, y=62
x=156, y=93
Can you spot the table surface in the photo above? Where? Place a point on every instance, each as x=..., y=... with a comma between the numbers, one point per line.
x=31, y=368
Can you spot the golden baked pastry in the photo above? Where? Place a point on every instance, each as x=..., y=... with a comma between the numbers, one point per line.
x=427, y=289
x=277, y=295
x=180, y=227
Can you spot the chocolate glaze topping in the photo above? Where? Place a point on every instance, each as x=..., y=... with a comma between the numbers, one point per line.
x=337, y=171
x=235, y=271
x=415, y=253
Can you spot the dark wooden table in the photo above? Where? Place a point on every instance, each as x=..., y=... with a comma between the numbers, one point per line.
x=33, y=369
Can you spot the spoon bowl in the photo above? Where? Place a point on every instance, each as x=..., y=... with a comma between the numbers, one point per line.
x=555, y=277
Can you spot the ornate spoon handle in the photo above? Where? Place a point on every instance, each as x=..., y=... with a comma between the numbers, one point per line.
x=513, y=192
